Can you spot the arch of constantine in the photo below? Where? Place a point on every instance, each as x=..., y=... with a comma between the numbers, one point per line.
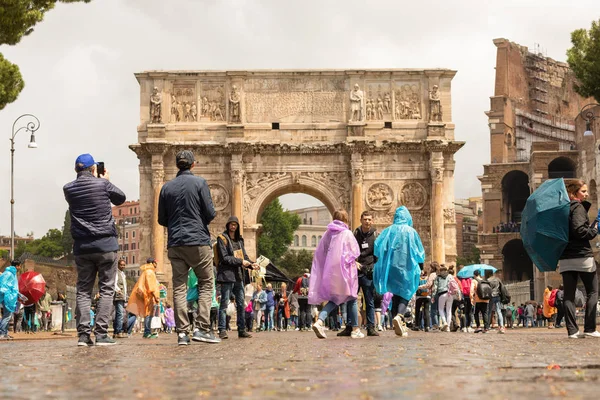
x=354, y=139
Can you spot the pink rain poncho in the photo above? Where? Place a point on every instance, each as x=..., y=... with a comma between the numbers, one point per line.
x=334, y=275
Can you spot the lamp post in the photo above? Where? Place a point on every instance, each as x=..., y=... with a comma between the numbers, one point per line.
x=589, y=116
x=31, y=126
x=124, y=222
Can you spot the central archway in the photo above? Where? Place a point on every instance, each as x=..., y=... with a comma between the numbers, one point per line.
x=516, y=265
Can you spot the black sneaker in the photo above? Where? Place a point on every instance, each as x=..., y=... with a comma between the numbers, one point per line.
x=206, y=337
x=223, y=335
x=183, y=339
x=346, y=332
x=372, y=332
x=85, y=341
x=244, y=334
x=105, y=340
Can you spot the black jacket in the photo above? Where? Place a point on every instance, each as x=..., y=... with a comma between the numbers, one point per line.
x=185, y=207
x=230, y=268
x=366, y=243
x=580, y=232
x=92, y=225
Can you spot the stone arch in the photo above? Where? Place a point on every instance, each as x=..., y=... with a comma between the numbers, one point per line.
x=515, y=191
x=562, y=167
x=516, y=264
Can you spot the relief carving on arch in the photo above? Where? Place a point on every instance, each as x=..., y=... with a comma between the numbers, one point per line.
x=380, y=196
x=413, y=195
x=256, y=182
x=383, y=217
x=338, y=182
x=449, y=216
x=220, y=196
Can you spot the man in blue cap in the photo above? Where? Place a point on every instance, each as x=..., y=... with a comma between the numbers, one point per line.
x=95, y=246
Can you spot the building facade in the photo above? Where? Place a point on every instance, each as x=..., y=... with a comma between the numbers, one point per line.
x=127, y=217
x=5, y=241
x=314, y=221
x=532, y=138
x=467, y=225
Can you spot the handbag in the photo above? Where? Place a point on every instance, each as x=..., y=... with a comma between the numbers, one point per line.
x=155, y=322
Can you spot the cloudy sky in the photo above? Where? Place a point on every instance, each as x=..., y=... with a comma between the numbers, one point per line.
x=79, y=63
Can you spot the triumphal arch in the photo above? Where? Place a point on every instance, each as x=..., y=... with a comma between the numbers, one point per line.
x=354, y=139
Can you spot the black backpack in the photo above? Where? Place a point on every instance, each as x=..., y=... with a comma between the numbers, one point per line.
x=484, y=290
x=504, y=295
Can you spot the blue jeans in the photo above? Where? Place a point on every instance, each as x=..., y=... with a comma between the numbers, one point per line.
x=434, y=311
x=147, y=322
x=119, y=316
x=4, y=321
x=352, y=310
x=227, y=289
x=496, y=305
x=368, y=289
x=131, y=318
x=269, y=317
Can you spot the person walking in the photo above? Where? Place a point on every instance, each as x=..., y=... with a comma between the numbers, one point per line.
x=301, y=289
x=186, y=208
x=43, y=305
x=282, y=308
x=119, y=301
x=481, y=305
x=269, y=308
x=145, y=296
x=560, y=306
x=399, y=251
x=495, y=304
x=577, y=261
x=334, y=274
x=95, y=246
x=232, y=274
x=422, y=303
x=9, y=297
x=260, y=304
x=444, y=298
x=548, y=310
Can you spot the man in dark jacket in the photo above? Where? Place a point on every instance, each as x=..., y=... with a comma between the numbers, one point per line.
x=94, y=246
x=185, y=207
x=365, y=235
x=232, y=274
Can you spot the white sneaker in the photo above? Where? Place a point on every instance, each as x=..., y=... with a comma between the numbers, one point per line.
x=399, y=326
x=464, y=330
x=595, y=334
x=319, y=330
x=357, y=334
x=577, y=335
x=379, y=328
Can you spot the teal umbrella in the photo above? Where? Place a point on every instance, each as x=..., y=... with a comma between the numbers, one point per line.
x=545, y=224
x=468, y=270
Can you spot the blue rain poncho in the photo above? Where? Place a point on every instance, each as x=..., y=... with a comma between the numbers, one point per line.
x=399, y=251
x=9, y=288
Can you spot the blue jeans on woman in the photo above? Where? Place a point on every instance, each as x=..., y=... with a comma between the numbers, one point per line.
x=269, y=318
x=351, y=308
x=4, y=321
x=147, y=322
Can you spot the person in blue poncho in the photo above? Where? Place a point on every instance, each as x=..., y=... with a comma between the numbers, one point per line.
x=9, y=295
x=398, y=250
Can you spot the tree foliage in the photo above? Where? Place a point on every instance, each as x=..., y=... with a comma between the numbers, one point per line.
x=470, y=259
x=295, y=262
x=17, y=19
x=48, y=246
x=584, y=60
x=278, y=231
x=67, y=239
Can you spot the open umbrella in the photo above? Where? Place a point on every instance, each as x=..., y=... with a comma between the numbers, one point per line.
x=467, y=271
x=545, y=224
x=32, y=285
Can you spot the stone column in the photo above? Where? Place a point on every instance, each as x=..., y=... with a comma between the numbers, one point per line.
x=237, y=180
x=358, y=174
x=157, y=152
x=437, y=207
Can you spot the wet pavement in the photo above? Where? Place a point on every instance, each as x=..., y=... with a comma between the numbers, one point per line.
x=524, y=363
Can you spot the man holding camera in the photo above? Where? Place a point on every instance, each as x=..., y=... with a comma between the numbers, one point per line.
x=95, y=245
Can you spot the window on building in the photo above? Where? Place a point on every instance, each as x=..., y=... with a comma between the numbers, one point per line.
x=126, y=260
x=126, y=235
x=133, y=259
x=304, y=221
x=296, y=240
x=311, y=220
x=138, y=273
x=303, y=240
x=313, y=241
x=130, y=212
x=319, y=238
x=133, y=234
x=126, y=246
x=132, y=246
x=120, y=248
x=135, y=210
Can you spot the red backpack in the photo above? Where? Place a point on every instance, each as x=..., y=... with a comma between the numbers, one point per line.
x=552, y=298
x=465, y=285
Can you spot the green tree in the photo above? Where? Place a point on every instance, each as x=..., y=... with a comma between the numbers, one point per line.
x=584, y=60
x=48, y=246
x=472, y=258
x=67, y=239
x=17, y=19
x=295, y=262
x=278, y=231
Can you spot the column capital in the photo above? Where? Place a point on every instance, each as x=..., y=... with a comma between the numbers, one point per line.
x=158, y=177
x=237, y=175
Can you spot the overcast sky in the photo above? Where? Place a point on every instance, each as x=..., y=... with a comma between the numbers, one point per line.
x=79, y=63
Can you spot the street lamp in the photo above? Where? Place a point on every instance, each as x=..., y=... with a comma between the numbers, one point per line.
x=31, y=126
x=589, y=117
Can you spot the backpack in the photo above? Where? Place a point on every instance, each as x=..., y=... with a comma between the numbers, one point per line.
x=484, y=290
x=216, y=257
x=552, y=298
x=466, y=286
x=453, y=288
x=579, y=298
x=504, y=295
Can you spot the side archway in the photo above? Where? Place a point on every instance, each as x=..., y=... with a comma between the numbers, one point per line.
x=562, y=167
x=515, y=191
x=516, y=264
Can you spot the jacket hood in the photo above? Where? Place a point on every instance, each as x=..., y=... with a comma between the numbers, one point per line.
x=235, y=219
x=147, y=267
x=11, y=269
x=403, y=217
x=336, y=226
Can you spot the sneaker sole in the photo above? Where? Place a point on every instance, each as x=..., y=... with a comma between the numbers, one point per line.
x=203, y=340
x=105, y=344
x=318, y=333
x=397, y=327
x=81, y=344
x=182, y=344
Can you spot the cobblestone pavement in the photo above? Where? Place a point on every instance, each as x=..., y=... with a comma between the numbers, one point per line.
x=524, y=363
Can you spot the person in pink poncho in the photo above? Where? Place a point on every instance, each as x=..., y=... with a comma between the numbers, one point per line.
x=334, y=275
x=169, y=318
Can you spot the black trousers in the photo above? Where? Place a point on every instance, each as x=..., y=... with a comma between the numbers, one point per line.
x=304, y=317
x=482, y=308
x=590, y=282
x=467, y=311
x=425, y=303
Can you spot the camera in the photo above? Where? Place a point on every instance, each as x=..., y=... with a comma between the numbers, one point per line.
x=100, y=169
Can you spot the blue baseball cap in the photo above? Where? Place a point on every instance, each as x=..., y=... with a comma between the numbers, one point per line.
x=84, y=161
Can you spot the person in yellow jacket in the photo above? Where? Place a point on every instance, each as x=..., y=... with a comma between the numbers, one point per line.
x=145, y=296
x=549, y=312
